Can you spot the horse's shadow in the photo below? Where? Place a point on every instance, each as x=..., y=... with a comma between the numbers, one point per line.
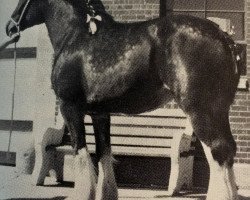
x=200, y=197
x=62, y=184
x=54, y=198
x=244, y=198
x=196, y=194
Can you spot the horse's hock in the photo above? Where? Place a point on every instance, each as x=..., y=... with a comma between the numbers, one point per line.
x=159, y=134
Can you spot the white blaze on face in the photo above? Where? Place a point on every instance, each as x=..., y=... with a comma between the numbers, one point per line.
x=222, y=184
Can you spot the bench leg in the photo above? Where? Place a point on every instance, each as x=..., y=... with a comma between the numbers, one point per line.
x=58, y=166
x=44, y=158
x=42, y=165
x=174, y=186
x=181, y=173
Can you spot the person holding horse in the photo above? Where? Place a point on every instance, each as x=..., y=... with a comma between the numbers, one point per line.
x=9, y=40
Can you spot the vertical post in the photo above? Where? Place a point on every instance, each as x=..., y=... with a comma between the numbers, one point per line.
x=205, y=9
x=166, y=6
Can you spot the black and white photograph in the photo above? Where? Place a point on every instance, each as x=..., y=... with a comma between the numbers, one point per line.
x=124, y=100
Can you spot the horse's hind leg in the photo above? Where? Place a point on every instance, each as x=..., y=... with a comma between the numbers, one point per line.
x=106, y=186
x=213, y=129
x=85, y=181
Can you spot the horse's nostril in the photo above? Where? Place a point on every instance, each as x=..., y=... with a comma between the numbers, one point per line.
x=11, y=28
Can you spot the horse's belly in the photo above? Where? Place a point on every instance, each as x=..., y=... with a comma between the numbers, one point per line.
x=134, y=102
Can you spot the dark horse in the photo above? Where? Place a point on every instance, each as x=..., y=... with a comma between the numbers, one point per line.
x=133, y=68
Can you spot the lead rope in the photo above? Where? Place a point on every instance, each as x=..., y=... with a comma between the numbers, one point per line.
x=17, y=24
x=13, y=102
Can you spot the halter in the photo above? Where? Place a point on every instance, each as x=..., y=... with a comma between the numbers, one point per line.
x=17, y=24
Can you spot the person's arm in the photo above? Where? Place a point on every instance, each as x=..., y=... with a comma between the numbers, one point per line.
x=9, y=40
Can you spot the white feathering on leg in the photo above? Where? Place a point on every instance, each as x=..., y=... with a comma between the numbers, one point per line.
x=222, y=184
x=85, y=178
x=106, y=186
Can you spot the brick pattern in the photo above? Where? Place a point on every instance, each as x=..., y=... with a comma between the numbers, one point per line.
x=132, y=10
x=240, y=110
x=139, y=10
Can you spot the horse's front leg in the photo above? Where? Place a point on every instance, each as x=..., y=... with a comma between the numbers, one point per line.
x=219, y=146
x=106, y=186
x=85, y=181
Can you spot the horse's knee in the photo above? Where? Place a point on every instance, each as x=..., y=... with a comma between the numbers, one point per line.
x=224, y=150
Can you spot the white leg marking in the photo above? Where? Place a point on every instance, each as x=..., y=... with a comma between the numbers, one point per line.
x=100, y=183
x=106, y=186
x=85, y=178
x=222, y=184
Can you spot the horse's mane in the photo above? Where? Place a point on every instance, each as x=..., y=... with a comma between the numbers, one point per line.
x=100, y=10
x=81, y=7
x=98, y=6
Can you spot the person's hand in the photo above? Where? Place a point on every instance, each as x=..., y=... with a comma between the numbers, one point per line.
x=13, y=38
x=9, y=40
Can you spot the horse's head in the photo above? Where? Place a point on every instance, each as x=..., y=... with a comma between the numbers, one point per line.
x=32, y=12
x=27, y=13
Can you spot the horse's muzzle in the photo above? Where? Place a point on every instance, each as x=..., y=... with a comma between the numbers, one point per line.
x=11, y=28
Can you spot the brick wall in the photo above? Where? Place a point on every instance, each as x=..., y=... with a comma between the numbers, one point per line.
x=240, y=125
x=240, y=111
x=139, y=10
x=132, y=10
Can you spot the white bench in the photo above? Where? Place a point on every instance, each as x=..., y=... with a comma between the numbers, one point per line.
x=161, y=133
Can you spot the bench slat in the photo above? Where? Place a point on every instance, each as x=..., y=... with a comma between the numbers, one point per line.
x=133, y=141
x=147, y=134
x=165, y=112
x=139, y=131
x=144, y=121
x=127, y=151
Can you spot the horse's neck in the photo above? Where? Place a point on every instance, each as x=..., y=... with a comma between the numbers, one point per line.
x=62, y=36
x=63, y=24
x=66, y=30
